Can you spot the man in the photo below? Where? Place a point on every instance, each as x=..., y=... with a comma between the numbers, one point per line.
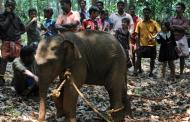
x=11, y=29
x=48, y=26
x=118, y=16
x=136, y=19
x=33, y=28
x=83, y=12
x=146, y=44
x=103, y=21
x=179, y=25
x=100, y=5
x=69, y=19
x=25, y=70
x=91, y=23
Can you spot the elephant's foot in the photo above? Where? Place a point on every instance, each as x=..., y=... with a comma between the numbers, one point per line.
x=128, y=110
x=41, y=120
x=71, y=120
x=60, y=114
x=118, y=116
x=59, y=106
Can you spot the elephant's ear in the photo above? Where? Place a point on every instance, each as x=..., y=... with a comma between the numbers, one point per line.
x=71, y=53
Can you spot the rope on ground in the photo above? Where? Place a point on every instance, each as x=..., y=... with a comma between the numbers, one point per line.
x=88, y=103
x=109, y=112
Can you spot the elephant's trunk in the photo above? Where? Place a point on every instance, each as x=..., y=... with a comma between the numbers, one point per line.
x=45, y=78
x=43, y=86
x=42, y=110
x=42, y=107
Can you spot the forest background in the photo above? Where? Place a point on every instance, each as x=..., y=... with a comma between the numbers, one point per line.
x=161, y=9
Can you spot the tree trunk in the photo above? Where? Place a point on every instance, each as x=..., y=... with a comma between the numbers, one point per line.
x=1, y=6
x=30, y=3
x=79, y=1
x=58, y=7
x=126, y=5
x=38, y=9
x=93, y=2
x=131, y=2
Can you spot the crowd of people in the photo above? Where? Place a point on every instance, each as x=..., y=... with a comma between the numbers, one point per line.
x=138, y=36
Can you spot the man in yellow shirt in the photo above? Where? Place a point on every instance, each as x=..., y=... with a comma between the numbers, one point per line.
x=146, y=44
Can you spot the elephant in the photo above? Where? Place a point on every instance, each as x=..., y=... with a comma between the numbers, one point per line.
x=93, y=57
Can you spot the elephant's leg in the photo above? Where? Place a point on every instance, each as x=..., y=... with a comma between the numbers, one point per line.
x=45, y=78
x=126, y=101
x=114, y=86
x=43, y=86
x=59, y=100
x=42, y=107
x=69, y=103
x=59, y=104
x=70, y=94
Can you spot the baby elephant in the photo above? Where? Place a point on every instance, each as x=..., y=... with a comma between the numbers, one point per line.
x=93, y=58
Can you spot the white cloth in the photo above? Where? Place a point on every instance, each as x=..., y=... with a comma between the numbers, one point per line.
x=116, y=20
x=182, y=46
x=164, y=35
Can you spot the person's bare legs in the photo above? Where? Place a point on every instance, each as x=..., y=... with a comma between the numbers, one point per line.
x=164, y=64
x=172, y=70
x=182, y=64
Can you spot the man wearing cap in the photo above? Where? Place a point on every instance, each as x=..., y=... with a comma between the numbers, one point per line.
x=11, y=29
x=69, y=18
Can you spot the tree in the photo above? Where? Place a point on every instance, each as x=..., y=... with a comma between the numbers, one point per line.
x=160, y=8
x=1, y=5
x=93, y=2
x=30, y=3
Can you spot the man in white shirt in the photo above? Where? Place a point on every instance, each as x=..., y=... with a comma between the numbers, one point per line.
x=118, y=16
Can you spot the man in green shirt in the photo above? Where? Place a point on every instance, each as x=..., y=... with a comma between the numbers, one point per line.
x=25, y=80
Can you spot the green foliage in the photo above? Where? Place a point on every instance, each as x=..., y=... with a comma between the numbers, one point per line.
x=24, y=5
x=161, y=9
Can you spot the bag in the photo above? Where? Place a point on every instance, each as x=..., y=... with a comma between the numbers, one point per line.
x=10, y=50
x=182, y=48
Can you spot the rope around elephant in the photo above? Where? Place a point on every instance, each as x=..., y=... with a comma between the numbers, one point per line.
x=67, y=76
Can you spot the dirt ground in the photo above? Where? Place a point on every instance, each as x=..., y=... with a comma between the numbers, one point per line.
x=152, y=99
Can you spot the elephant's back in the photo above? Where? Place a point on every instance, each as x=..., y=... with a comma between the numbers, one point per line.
x=100, y=50
x=94, y=40
x=96, y=43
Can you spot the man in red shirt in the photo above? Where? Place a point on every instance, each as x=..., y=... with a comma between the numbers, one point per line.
x=91, y=23
x=136, y=19
x=69, y=18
